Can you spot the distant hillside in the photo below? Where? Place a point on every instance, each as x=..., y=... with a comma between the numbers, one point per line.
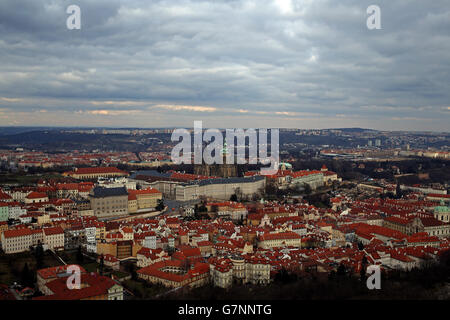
x=56, y=140
x=17, y=130
x=355, y=129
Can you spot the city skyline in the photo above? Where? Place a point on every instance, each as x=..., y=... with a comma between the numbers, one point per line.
x=280, y=63
x=97, y=128
x=224, y=157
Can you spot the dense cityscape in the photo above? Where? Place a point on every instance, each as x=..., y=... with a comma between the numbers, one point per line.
x=141, y=227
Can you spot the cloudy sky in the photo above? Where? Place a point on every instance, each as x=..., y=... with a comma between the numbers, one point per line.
x=229, y=63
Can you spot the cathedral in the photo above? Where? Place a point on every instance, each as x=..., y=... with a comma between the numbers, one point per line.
x=223, y=170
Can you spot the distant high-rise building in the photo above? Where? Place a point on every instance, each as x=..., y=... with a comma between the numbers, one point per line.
x=377, y=143
x=369, y=143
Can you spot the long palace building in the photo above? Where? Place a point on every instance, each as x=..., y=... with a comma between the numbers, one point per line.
x=94, y=173
x=184, y=187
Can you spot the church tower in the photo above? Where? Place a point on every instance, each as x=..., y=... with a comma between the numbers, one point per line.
x=223, y=170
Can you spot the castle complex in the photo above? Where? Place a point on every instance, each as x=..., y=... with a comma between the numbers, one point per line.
x=223, y=170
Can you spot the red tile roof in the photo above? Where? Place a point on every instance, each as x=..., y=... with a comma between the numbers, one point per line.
x=204, y=243
x=17, y=233
x=53, y=231
x=96, y=170
x=279, y=236
x=52, y=272
x=36, y=195
x=93, y=285
x=155, y=270
x=4, y=196
x=143, y=191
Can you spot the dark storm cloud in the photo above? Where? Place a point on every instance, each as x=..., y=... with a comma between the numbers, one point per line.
x=310, y=63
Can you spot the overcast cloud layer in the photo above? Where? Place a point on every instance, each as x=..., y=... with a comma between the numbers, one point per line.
x=230, y=63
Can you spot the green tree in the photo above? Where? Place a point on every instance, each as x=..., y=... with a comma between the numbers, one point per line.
x=170, y=251
x=160, y=205
x=39, y=255
x=360, y=245
x=398, y=191
x=26, y=276
x=307, y=188
x=362, y=272
x=341, y=270
x=80, y=257
x=202, y=208
x=131, y=268
x=238, y=192
x=101, y=265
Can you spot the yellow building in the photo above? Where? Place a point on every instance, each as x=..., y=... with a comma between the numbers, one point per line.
x=281, y=239
x=107, y=248
x=338, y=237
x=100, y=231
x=14, y=241
x=94, y=173
x=132, y=203
x=146, y=199
x=3, y=226
x=54, y=238
x=43, y=219
x=120, y=249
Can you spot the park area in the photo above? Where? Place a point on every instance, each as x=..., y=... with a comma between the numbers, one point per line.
x=21, y=267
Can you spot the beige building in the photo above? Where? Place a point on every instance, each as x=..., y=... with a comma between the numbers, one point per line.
x=146, y=256
x=234, y=210
x=409, y=226
x=257, y=270
x=142, y=200
x=442, y=212
x=132, y=203
x=14, y=241
x=3, y=226
x=36, y=197
x=109, y=202
x=226, y=270
x=127, y=233
x=236, y=268
x=338, y=237
x=221, y=189
x=43, y=219
x=54, y=238
x=37, y=236
x=121, y=249
x=94, y=173
x=221, y=273
x=281, y=239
